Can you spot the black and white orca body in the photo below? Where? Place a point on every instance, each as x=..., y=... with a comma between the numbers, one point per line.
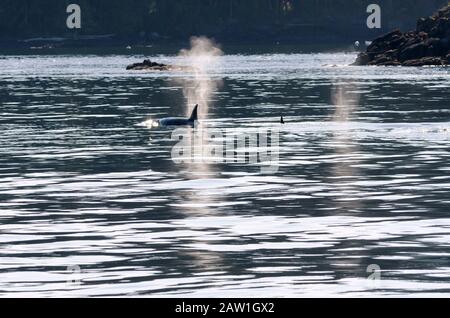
x=178, y=121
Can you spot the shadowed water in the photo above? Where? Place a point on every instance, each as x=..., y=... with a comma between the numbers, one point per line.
x=363, y=179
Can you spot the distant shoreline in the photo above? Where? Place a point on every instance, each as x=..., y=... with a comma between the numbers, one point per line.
x=174, y=48
x=99, y=41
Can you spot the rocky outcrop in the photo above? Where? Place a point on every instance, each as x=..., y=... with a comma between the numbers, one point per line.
x=148, y=65
x=429, y=44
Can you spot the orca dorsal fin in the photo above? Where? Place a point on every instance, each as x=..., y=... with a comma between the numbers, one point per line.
x=194, y=115
x=282, y=120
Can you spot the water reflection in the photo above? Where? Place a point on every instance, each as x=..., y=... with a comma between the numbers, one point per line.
x=359, y=183
x=199, y=88
x=344, y=170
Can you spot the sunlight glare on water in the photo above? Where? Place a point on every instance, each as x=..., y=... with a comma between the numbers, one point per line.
x=363, y=179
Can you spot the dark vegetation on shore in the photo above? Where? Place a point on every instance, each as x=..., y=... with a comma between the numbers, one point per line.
x=428, y=44
x=42, y=23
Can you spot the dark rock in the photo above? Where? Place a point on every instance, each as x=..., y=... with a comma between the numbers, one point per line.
x=392, y=54
x=390, y=63
x=437, y=47
x=386, y=38
x=415, y=51
x=382, y=59
x=362, y=59
x=441, y=28
x=444, y=12
x=429, y=44
x=430, y=60
x=397, y=42
x=148, y=65
x=410, y=40
x=425, y=24
x=383, y=43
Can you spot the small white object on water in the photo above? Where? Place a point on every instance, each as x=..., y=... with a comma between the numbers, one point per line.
x=357, y=44
x=150, y=123
x=128, y=47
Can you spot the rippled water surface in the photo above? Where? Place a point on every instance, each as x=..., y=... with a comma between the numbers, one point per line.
x=91, y=203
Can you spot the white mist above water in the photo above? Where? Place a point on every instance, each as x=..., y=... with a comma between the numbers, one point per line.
x=345, y=99
x=203, y=57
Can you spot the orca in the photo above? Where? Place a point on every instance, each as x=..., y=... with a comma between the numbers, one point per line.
x=282, y=120
x=178, y=121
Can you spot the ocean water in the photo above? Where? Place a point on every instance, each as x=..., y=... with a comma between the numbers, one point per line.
x=93, y=204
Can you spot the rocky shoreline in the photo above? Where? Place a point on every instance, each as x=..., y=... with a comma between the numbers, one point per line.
x=429, y=44
x=148, y=65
